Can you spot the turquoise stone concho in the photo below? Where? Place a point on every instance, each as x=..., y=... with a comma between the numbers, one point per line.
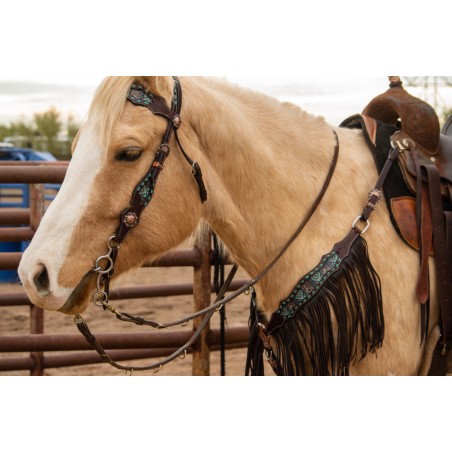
x=309, y=285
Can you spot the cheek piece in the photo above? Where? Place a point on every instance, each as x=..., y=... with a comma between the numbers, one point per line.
x=142, y=194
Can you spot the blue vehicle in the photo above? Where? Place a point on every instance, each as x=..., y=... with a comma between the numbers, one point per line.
x=9, y=152
x=17, y=195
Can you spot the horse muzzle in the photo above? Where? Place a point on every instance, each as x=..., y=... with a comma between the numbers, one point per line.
x=78, y=300
x=41, y=287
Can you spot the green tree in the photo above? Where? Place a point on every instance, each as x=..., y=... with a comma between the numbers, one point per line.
x=41, y=134
x=24, y=130
x=48, y=124
x=4, y=132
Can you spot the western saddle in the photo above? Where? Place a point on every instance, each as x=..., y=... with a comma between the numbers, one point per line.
x=425, y=161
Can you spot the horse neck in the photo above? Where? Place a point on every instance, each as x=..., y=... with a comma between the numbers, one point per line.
x=264, y=163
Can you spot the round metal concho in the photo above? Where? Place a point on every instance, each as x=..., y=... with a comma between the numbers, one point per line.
x=130, y=220
x=177, y=121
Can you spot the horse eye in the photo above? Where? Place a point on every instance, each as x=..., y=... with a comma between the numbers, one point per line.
x=129, y=154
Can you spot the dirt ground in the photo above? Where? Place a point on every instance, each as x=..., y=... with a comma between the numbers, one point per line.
x=16, y=320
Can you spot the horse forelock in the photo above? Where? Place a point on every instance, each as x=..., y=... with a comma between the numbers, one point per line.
x=110, y=99
x=108, y=104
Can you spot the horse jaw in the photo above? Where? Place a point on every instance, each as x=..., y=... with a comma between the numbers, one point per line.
x=51, y=243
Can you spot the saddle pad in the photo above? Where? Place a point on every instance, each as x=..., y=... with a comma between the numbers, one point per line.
x=400, y=201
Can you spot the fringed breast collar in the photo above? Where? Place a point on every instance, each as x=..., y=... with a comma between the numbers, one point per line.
x=300, y=339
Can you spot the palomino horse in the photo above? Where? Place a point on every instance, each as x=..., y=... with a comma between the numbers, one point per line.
x=264, y=163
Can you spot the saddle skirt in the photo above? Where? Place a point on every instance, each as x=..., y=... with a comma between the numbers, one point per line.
x=418, y=189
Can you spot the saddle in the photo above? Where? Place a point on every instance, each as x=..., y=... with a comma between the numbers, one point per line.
x=421, y=184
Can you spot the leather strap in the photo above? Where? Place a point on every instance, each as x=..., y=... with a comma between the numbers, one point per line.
x=141, y=196
x=144, y=191
x=432, y=223
x=219, y=302
x=342, y=249
x=272, y=360
x=443, y=269
x=425, y=239
x=180, y=353
x=140, y=97
x=376, y=194
x=448, y=222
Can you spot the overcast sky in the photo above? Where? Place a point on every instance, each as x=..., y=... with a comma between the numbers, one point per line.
x=334, y=97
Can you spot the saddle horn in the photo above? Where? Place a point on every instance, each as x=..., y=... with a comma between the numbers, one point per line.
x=418, y=118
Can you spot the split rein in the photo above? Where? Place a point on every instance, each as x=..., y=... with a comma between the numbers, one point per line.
x=130, y=218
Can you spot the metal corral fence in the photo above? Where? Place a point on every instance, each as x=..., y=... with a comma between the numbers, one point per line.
x=19, y=224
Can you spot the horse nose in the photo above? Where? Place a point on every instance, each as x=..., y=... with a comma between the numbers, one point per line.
x=41, y=281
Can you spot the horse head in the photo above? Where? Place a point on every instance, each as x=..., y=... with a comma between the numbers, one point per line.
x=113, y=151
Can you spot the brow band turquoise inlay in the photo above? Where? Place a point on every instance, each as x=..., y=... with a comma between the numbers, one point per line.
x=140, y=96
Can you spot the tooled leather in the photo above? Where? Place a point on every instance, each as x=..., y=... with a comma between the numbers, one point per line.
x=404, y=211
x=418, y=119
x=443, y=161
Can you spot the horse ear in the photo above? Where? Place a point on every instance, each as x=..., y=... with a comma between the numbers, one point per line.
x=159, y=85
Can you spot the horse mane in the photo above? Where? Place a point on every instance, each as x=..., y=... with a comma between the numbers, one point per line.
x=108, y=103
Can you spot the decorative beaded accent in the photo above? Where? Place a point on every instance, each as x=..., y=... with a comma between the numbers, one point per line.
x=309, y=285
x=175, y=98
x=131, y=220
x=146, y=189
x=139, y=96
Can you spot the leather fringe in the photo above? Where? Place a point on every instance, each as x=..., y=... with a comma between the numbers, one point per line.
x=307, y=343
x=255, y=354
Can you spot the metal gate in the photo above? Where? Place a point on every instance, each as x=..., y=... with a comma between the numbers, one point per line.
x=19, y=224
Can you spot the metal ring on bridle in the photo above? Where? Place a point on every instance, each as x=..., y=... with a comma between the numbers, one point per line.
x=100, y=298
x=109, y=243
x=358, y=218
x=97, y=268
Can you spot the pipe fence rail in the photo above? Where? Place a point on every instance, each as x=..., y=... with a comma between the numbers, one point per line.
x=20, y=224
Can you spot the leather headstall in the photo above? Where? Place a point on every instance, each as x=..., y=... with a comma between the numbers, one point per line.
x=144, y=191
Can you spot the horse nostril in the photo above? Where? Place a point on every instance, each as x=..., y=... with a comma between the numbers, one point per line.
x=41, y=281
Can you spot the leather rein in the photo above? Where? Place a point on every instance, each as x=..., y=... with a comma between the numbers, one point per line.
x=130, y=217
